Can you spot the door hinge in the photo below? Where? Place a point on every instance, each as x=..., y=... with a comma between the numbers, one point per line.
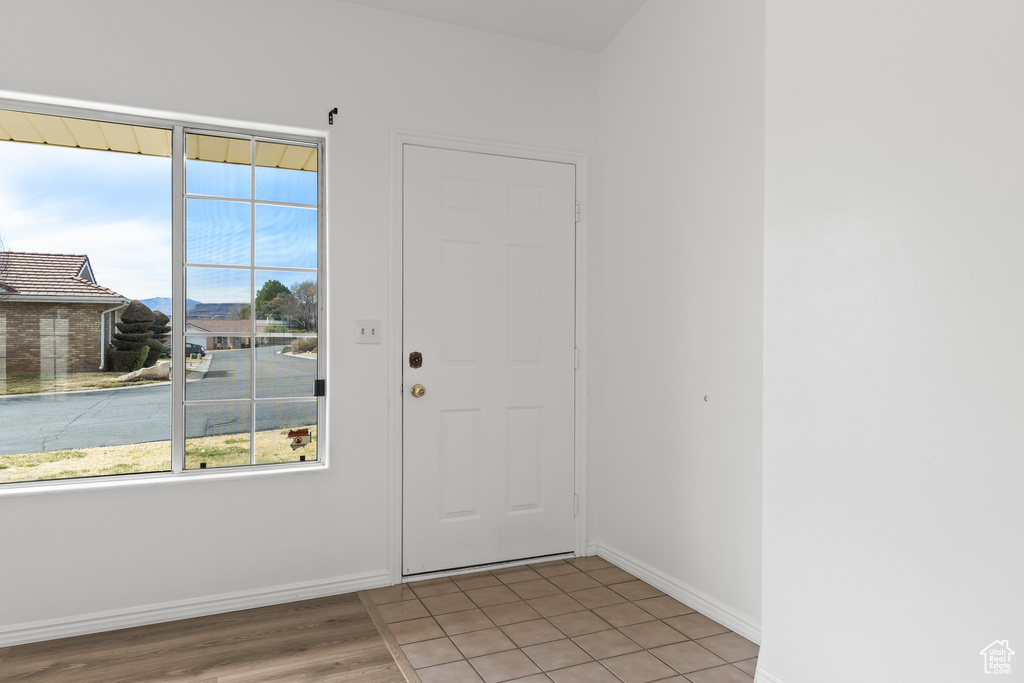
x=320, y=387
x=575, y=505
x=577, y=212
x=576, y=358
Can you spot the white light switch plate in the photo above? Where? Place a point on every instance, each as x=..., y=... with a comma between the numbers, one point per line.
x=368, y=332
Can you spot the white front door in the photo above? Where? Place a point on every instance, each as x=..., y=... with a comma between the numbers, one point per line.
x=489, y=297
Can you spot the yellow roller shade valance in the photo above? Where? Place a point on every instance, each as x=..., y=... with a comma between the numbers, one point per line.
x=44, y=129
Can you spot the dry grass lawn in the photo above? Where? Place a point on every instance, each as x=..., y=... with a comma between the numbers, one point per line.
x=73, y=381
x=216, y=451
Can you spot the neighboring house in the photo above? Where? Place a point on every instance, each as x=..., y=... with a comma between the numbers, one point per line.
x=219, y=334
x=54, y=316
x=197, y=335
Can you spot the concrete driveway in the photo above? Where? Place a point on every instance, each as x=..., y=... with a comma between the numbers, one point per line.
x=110, y=417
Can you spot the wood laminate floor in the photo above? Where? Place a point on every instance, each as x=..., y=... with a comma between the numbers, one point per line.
x=327, y=640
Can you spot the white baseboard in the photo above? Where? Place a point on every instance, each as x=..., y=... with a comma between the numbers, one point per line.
x=698, y=600
x=766, y=677
x=97, y=622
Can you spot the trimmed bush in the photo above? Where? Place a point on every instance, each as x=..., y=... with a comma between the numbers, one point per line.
x=161, y=335
x=128, y=361
x=120, y=361
x=140, y=358
x=131, y=340
x=155, y=349
x=160, y=327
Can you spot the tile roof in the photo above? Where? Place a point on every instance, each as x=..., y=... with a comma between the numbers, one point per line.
x=56, y=275
x=229, y=328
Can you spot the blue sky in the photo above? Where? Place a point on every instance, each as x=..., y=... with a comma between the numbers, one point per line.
x=116, y=208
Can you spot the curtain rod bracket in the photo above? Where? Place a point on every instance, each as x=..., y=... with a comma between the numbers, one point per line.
x=330, y=116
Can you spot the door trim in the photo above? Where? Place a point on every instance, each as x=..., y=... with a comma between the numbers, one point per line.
x=395, y=360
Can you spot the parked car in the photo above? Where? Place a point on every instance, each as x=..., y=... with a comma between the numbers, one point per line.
x=189, y=350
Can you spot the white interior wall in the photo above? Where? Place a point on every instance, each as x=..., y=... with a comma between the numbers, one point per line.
x=680, y=291
x=894, y=377
x=96, y=550
x=892, y=394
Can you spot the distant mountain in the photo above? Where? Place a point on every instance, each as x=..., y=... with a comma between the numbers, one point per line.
x=163, y=304
x=216, y=311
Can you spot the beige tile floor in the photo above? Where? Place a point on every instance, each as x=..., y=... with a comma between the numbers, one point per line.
x=574, y=621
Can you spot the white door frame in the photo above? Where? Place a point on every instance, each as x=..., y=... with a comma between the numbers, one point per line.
x=395, y=347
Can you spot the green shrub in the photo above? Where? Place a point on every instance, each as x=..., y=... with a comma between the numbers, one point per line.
x=119, y=361
x=131, y=328
x=286, y=349
x=127, y=360
x=160, y=327
x=140, y=358
x=131, y=340
x=155, y=349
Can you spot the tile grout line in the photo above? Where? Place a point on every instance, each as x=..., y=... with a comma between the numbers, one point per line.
x=389, y=639
x=623, y=598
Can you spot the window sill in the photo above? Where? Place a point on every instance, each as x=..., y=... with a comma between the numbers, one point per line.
x=13, y=489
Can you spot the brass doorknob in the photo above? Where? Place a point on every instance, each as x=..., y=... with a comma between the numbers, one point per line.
x=418, y=390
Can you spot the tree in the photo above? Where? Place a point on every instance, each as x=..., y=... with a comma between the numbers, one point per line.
x=270, y=299
x=301, y=305
x=133, y=342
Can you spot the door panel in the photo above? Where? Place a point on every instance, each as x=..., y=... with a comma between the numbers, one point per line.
x=489, y=296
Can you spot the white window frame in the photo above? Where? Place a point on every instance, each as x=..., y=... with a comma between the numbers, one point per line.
x=179, y=129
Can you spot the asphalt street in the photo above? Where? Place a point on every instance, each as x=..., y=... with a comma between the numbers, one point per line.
x=85, y=419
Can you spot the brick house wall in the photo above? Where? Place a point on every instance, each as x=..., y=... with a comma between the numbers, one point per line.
x=51, y=338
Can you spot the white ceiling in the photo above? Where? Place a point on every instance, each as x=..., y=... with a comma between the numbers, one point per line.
x=587, y=25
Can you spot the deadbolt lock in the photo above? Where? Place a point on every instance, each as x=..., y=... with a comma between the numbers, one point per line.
x=415, y=359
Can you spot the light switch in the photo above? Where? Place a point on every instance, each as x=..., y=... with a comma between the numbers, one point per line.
x=368, y=332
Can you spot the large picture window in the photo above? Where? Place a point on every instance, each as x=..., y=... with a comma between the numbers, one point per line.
x=159, y=297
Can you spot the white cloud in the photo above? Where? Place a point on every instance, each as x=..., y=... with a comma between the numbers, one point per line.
x=105, y=205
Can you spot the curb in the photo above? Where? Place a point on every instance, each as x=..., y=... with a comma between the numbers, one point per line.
x=200, y=370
